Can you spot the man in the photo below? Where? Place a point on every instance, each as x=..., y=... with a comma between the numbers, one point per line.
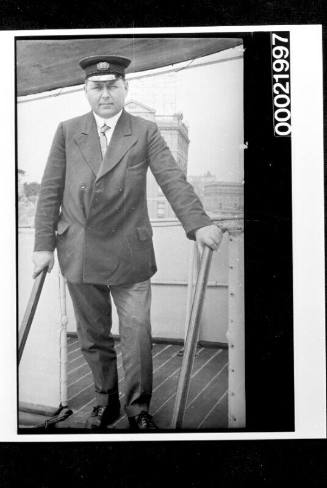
x=92, y=208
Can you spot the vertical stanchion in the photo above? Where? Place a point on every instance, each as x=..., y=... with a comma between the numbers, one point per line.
x=63, y=341
x=194, y=266
x=30, y=311
x=191, y=340
x=235, y=333
x=190, y=288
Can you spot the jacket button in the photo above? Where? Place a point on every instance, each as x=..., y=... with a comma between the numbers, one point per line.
x=84, y=187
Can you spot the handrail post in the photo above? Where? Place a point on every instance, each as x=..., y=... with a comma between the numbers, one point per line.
x=191, y=340
x=63, y=341
x=30, y=312
x=235, y=333
x=193, y=271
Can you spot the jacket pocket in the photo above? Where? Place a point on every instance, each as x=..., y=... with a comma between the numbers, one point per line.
x=62, y=227
x=137, y=166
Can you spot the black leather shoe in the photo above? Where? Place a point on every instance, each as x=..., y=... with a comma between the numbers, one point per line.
x=102, y=416
x=142, y=422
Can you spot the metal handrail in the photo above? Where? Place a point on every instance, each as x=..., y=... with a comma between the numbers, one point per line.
x=191, y=340
x=30, y=311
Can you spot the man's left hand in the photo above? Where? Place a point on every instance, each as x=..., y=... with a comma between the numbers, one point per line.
x=210, y=236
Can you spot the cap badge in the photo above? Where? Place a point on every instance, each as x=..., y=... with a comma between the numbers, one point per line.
x=103, y=66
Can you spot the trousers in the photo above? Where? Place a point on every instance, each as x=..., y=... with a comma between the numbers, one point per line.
x=93, y=313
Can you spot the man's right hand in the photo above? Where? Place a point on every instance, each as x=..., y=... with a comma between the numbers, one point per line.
x=41, y=260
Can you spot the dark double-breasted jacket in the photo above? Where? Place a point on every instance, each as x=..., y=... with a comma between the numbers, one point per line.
x=94, y=210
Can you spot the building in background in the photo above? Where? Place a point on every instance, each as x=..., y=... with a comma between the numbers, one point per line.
x=200, y=181
x=27, y=193
x=223, y=198
x=220, y=198
x=175, y=133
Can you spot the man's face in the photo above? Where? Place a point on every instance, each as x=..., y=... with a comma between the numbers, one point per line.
x=106, y=98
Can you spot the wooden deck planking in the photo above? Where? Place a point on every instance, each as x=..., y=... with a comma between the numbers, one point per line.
x=207, y=399
x=168, y=388
x=159, y=353
x=162, y=369
x=218, y=415
x=204, y=368
x=74, y=354
x=72, y=343
x=202, y=399
x=82, y=368
x=74, y=363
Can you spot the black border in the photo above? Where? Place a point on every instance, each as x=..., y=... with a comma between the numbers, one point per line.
x=148, y=465
x=268, y=251
x=19, y=14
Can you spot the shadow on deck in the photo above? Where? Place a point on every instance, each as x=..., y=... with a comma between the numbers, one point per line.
x=206, y=409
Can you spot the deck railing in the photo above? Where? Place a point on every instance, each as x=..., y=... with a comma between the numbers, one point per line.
x=233, y=226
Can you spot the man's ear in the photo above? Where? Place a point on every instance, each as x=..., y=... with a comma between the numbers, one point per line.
x=126, y=85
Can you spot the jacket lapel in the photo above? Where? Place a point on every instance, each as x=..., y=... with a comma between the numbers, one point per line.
x=88, y=141
x=121, y=141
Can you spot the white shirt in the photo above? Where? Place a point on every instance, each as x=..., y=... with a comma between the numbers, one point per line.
x=110, y=122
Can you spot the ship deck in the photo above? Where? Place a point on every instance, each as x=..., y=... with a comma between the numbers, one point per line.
x=207, y=403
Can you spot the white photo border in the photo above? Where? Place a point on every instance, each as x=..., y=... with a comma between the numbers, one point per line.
x=308, y=239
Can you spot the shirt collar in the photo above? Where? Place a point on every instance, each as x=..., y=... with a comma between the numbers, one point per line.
x=111, y=122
